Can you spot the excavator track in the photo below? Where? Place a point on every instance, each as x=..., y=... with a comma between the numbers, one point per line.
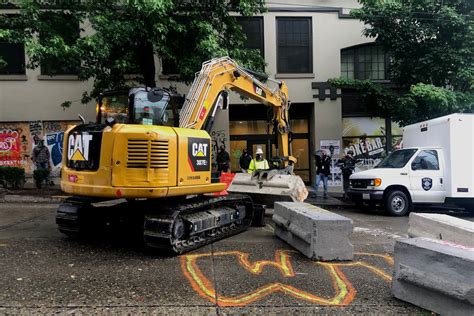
x=196, y=222
x=171, y=225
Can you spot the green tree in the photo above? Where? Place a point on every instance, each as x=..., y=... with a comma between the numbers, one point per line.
x=431, y=49
x=118, y=38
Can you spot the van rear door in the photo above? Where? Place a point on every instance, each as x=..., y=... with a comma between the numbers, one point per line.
x=426, y=177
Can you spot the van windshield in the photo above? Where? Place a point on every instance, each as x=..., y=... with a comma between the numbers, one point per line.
x=397, y=159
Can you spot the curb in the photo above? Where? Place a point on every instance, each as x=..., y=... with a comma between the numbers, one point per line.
x=12, y=198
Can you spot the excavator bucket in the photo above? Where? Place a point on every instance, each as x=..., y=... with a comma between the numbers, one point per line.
x=266, y=187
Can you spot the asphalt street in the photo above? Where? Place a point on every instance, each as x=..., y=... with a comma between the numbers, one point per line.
x=42, y=271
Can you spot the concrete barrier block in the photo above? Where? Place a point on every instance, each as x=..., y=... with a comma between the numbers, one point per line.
x=443, y=227
x=315, y=232
x=436, y=275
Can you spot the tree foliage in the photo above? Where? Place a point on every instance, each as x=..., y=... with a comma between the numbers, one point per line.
x=431, y=49
x=118, y=38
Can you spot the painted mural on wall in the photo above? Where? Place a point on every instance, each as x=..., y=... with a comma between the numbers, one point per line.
x=366, y=137
x=18, y=139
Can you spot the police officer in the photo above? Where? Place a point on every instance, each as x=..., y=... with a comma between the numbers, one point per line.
x=347, y=165
x=258, y=163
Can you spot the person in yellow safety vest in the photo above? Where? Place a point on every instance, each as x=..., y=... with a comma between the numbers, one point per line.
x=258, y=163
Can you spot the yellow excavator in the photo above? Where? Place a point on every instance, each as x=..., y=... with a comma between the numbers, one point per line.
x=136, y=151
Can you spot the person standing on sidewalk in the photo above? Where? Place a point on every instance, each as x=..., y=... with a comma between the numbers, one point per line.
x=41, y=158
x=347, y=164
x=323, y=164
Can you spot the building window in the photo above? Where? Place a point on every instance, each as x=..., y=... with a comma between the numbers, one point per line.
x=67, y=27
x=294, y=53
x=364, y=62
x=13, y=59
x=253, y=30
x=12, y=55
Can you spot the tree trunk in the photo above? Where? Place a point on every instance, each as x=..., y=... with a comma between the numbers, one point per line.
x=147, y=64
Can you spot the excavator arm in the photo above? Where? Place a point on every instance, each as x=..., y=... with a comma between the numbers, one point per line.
x=221, y=74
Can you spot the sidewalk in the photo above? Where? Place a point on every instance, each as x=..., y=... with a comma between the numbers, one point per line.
x=30, y=194
x=332, y=199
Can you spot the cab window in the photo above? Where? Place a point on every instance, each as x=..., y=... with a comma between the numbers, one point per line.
x=148, y=112
x=426, y=160
x=115, y=107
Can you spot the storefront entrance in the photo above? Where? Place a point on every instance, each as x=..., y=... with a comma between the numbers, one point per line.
x=249, y=130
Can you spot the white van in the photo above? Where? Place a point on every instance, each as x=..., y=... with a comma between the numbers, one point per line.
x=435, y=166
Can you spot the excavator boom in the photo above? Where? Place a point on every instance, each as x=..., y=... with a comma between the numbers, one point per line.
x=220, y=74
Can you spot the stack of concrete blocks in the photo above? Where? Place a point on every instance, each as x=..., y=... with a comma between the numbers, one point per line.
x=435, y=269
x=316, y=233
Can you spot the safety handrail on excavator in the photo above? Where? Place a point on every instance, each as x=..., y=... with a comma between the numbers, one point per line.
x=220, y=74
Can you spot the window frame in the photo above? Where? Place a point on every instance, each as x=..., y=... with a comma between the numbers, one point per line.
x=60, y=75
x=424, y=151
x=310, y=43
x=262, y=31
x=22, y=52
x=355, y=60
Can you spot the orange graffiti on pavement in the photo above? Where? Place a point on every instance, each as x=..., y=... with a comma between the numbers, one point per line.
x=344, y=290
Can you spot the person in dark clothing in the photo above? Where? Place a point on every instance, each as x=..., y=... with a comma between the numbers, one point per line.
x=245, y=160
x=323, y=164
x=223, y=160
x=41, y=157
x=347, y=165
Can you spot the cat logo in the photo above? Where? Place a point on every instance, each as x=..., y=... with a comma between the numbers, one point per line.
x=199, y=150
x=259, y=91
x=199, y=156
x=78, y=147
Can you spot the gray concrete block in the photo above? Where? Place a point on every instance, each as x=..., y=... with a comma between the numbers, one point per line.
x=436, y=275
x=315, y=232
x=443, y=227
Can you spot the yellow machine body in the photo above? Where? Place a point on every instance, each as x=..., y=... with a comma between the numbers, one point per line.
x=140, y=161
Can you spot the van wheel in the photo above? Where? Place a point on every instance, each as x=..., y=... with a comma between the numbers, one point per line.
x=397, y=203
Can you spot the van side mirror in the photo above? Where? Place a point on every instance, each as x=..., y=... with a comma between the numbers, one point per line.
x=414, y=166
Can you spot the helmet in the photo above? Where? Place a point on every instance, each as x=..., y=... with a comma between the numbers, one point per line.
x=259, y=151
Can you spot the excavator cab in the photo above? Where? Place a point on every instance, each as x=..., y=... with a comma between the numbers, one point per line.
x=144, y=106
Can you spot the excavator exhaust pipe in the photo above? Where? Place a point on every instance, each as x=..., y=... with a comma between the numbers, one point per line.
x=268, y=186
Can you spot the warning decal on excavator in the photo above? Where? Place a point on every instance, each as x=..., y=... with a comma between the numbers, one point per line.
x=199, y=156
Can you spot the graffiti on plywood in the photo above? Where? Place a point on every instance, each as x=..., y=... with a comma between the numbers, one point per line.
x=344, y=291
x=54, y=141
x=10, y=147
x=52, y=126
x=18, y=139
x=219, y=139
x=36, y=132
